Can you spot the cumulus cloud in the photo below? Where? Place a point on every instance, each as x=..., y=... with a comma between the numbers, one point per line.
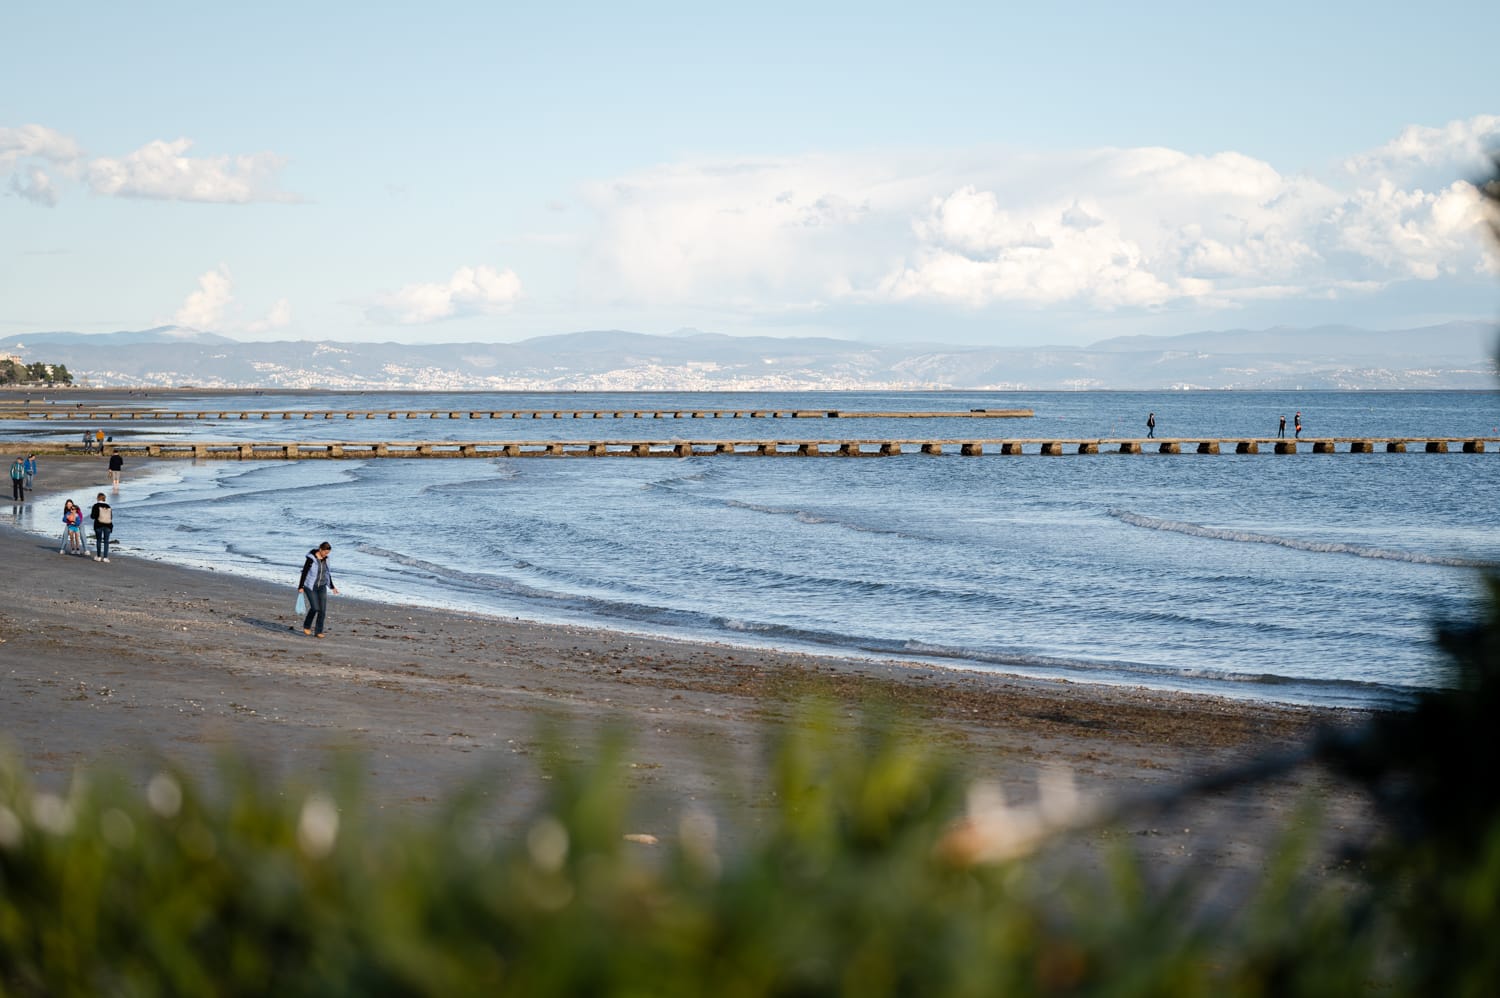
x=1140, y=228
x=36, y=157
x=36, y=142
x=204, y=308
x=481, y=290
x=161, y=170
x=31, y=154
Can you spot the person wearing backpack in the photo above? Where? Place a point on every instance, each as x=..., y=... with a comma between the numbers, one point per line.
x=18, y=480
x=104, y=525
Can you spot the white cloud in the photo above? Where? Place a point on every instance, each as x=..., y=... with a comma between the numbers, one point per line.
x=36, y=142
x=160, y=170
x=204, y=308
x=35, y=186
x=279, y=317
x=479, y=290
x=29, y=154
x=1100, y=229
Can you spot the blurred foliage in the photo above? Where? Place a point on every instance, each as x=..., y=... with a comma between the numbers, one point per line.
x=873, y=872
x=852, y=884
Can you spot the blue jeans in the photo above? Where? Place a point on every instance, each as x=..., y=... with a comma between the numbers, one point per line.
x=101, y=539
x=317, y=606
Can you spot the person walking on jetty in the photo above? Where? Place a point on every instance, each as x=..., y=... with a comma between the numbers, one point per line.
x=31, y=471
x=18, y=480
x=72, y=528
x=1297, y=424
x=1281, y=430
x=1150, y=425
x=315, y=584
x=104, y=524
x=116, y=464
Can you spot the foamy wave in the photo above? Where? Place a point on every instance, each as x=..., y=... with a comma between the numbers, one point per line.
x=1320, y=547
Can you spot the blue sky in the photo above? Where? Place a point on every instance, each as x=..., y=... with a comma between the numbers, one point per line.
x=949, y=173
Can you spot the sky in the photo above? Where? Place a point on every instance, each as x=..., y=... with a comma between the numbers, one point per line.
x=995, y=174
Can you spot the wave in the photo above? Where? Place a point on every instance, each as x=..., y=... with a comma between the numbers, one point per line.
x=1296, y=544
x=632, y=615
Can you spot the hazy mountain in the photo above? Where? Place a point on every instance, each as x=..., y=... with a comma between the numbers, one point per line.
x=160, y=334
x=1461, y=341
x=1455, y=355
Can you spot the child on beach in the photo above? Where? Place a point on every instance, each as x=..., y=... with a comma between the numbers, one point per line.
x=72, y=529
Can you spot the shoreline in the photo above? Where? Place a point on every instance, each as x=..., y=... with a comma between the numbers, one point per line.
x=141, y=660
x=75, y=476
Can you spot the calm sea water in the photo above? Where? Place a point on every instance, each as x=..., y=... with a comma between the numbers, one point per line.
x=1306, y=578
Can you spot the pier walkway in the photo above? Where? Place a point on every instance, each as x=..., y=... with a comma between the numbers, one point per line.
x=97, y=413
x=300, y=450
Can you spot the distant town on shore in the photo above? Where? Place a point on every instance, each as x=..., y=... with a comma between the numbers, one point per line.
x=1454, y=355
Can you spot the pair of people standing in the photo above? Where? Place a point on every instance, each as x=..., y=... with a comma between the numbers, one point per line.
x=1297, y=425
x=315, y=583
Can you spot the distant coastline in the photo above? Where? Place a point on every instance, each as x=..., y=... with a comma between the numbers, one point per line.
x=1454, y=356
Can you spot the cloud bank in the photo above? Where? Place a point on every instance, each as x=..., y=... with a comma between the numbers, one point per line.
x=1103, y=230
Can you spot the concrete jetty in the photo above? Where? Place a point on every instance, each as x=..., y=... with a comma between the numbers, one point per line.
x=98, y=414
x=304, y=450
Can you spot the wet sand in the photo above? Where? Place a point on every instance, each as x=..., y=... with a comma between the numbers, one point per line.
x=136, y=659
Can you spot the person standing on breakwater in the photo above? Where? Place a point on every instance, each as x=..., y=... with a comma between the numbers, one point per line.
x=88, y=440
x=1297, y=424
x=104, y=524
x=31, y=470
x=18, y=480
x=1281, y=430
x=1150, y=424
x=316, y=583
x=116, y=463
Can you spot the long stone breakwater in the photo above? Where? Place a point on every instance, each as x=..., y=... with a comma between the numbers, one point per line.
x=96, y=414
x=303, y=450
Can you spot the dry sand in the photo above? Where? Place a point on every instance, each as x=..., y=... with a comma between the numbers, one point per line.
x=137, y=658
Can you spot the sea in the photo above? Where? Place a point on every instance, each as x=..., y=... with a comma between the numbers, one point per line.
x=1310, y=578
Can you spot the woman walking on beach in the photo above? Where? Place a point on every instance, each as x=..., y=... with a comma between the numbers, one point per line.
x=316, y=583
x=104, y=524
x=72, y=528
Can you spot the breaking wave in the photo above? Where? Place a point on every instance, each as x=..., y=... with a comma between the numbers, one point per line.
x=1296, y=544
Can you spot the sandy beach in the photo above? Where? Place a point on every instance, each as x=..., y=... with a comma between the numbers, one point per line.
x=137, y=659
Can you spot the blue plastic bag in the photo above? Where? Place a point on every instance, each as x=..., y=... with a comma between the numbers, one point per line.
x=301, y=603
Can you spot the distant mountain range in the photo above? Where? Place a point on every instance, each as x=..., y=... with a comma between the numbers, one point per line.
x=1453, y=355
